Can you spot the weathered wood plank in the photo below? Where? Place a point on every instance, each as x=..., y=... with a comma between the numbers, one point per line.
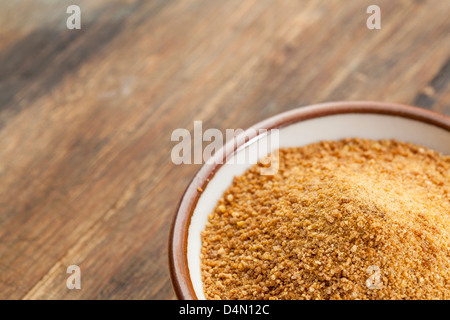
x=86, y=115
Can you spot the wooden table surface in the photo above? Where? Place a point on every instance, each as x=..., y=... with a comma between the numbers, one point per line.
x=86, y=116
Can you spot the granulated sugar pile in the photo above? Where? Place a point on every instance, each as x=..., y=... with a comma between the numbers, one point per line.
x=352, y=219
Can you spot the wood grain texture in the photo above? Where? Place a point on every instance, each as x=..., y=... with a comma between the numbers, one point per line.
x=86, y=115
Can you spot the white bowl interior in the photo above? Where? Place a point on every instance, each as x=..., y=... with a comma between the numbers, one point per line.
x=333, y=127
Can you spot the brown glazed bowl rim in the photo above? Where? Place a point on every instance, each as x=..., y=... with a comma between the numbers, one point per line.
x=178, y=261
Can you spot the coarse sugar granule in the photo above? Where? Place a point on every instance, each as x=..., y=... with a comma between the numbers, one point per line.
x=349, y=219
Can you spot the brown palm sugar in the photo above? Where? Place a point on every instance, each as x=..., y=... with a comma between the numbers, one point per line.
x=350, y=219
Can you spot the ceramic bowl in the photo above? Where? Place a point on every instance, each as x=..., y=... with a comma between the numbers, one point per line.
x=298, y=127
